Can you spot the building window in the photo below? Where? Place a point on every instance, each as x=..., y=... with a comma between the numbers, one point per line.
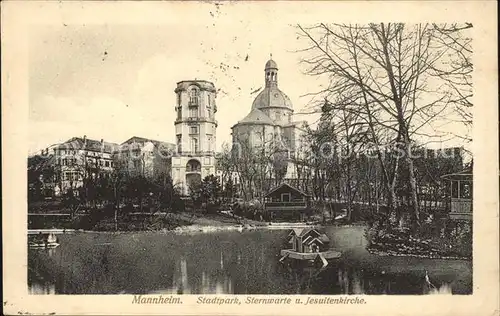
x=179, y=143
x=107, y=163
x=194, y=145
x=278, y=116
x=209, y=143
x=193, y=112
x=465, y=190
x=193, y=130
x=194, y=96
x=179, y=113
x=454, y=189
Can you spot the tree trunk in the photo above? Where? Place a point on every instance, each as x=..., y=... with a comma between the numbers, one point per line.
x=413, y=184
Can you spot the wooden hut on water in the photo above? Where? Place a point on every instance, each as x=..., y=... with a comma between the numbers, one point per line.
x=308, y=244
x=308, y=240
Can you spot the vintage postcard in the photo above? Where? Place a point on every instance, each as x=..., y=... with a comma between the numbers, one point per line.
x=250, y=158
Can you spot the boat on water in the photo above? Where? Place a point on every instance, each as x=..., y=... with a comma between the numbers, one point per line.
x=309, y=245
x=43, y=241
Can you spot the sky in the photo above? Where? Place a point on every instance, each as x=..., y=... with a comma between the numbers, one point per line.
x=115, y=81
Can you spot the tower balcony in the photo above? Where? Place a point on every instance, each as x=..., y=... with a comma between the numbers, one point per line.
x=198, y=153
x=199, y=119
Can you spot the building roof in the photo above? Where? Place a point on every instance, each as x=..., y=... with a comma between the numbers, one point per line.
x=142, y=140
x=289, y=186
x=88, y=144
x=256, y=116
x=271, y=96
x=306, y=231
x=464, y=174
x=296, y=231
x=271, y=64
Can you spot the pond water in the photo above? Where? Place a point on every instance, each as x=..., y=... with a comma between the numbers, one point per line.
x=229, y=263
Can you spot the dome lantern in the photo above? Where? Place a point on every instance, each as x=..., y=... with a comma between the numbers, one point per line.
x=271, y=72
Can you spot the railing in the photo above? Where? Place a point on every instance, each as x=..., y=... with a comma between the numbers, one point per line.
x=196, y=119
x=463, y=206
x=286, y=204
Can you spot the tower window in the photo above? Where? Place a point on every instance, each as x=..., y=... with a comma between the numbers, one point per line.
x=194, y=145
x=193, y=112
x=179, y=143
x=194, y=96
x=193, y=129
x=278, y=116
x=179, y=99
x=179, y=113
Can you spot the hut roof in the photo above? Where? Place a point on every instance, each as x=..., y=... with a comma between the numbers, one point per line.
x=322, y=239
x=289, y=186
x=464, y=174
x=311, y=240
x=306, y=231
x=296, y=231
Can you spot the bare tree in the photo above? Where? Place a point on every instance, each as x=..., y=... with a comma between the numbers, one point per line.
x=385, y=75
x=225, y=164
x=457, y=69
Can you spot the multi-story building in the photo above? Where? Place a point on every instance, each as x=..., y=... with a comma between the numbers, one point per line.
x=77, y=159
x=140, y=156
x=195, y=128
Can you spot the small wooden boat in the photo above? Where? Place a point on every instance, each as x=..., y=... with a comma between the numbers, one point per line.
x=309, y=245
x=43, y=241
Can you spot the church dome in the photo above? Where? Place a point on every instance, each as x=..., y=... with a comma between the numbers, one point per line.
x=256, y=116
x=271, y=64
x=272, y=97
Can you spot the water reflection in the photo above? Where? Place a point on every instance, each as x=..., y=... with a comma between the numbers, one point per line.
x=39, y=288
x=228, y=263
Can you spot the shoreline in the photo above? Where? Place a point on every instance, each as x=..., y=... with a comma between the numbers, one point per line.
x=207, y=229
x=412, y=255
x=194, y=228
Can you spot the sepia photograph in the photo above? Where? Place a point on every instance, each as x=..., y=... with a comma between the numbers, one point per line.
x=359, y=181
x=250, y=161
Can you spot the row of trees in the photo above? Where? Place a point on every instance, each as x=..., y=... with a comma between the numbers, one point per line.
x=93, y=188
